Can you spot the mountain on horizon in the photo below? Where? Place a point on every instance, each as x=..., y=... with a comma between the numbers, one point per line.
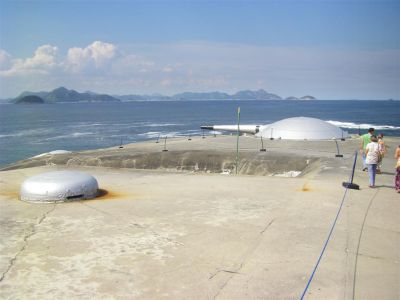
x=63, y=94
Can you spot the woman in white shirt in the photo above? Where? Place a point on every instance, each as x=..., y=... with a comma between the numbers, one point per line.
x=372, y=152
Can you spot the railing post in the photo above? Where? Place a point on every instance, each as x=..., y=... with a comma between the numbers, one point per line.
x=338, y=152
x=262, y=145
x=351, y=185
x=165, y=144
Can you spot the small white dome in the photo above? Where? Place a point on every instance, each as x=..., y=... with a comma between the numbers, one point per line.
x=55, y=152
x=302, y=128
x=59, y=186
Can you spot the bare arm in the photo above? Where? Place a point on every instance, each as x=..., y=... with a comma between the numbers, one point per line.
x=397, y=154
x=362, y=145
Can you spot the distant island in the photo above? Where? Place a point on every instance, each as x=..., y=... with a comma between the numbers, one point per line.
x=241, y=95
x=31, y=99
x=301, y=98
x=62, y=94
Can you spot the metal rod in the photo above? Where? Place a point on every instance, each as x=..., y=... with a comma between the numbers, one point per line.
x=237, y=139
x=338, y=151
x=354, y=167
x=351, y=185
x=262, y=145
x=165, y=144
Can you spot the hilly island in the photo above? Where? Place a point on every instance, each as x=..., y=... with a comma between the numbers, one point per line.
x=31, y=99
x=62, y=95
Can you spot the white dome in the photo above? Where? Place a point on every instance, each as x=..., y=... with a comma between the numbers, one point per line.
x=302, y=128
x=59, y=186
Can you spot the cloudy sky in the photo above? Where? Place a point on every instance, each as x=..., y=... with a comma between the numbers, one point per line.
x=332, y=49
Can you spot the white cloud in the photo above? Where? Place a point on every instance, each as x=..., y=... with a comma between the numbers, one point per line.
x=96, y=55
x=42, y=62
x=202, y=66
x=5, y=60
x=168, y=69
x=132, y=64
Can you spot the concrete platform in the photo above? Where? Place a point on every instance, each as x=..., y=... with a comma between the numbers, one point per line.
x=171, y=234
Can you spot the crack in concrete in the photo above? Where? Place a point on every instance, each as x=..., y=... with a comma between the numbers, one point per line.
x=245, y=257
x=266, y=227
x=32, y=232
x=226, y=271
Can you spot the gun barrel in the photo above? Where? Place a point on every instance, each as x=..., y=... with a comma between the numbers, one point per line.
x=252, y=129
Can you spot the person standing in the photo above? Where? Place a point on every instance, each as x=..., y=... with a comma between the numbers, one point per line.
x=382, y=150
x=397, y=180
x=365, y=140
x=372, y=154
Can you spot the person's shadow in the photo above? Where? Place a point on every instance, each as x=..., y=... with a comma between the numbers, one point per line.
x=386, y=173
x=384, y=186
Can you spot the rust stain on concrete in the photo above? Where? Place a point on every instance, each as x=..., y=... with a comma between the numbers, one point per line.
x=306, y=187
x=11, y=192
x=107, y=194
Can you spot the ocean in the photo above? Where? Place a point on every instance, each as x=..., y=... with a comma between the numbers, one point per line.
x=29, y=130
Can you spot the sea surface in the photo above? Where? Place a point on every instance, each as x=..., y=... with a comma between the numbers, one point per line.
x=29, y=130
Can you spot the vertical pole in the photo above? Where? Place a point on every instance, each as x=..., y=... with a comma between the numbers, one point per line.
x=338, y=151
x=262, y=145
x=351, y=185
x=165, y=144
x=237, y=139
x=354, y=167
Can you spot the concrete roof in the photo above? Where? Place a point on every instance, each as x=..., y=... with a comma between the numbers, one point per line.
x=162, y=234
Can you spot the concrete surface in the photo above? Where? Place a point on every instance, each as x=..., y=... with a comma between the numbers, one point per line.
x=164, y=234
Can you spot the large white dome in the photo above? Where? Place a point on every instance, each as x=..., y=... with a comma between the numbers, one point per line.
x=302, y=128
x=59, y=186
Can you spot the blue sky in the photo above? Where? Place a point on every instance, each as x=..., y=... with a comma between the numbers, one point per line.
x=332, y=49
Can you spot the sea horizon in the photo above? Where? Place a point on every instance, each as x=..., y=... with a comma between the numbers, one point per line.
x=29, y=130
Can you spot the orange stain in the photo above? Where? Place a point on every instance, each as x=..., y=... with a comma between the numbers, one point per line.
x=306, y=187
x=111, y=195
x=14, y=194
